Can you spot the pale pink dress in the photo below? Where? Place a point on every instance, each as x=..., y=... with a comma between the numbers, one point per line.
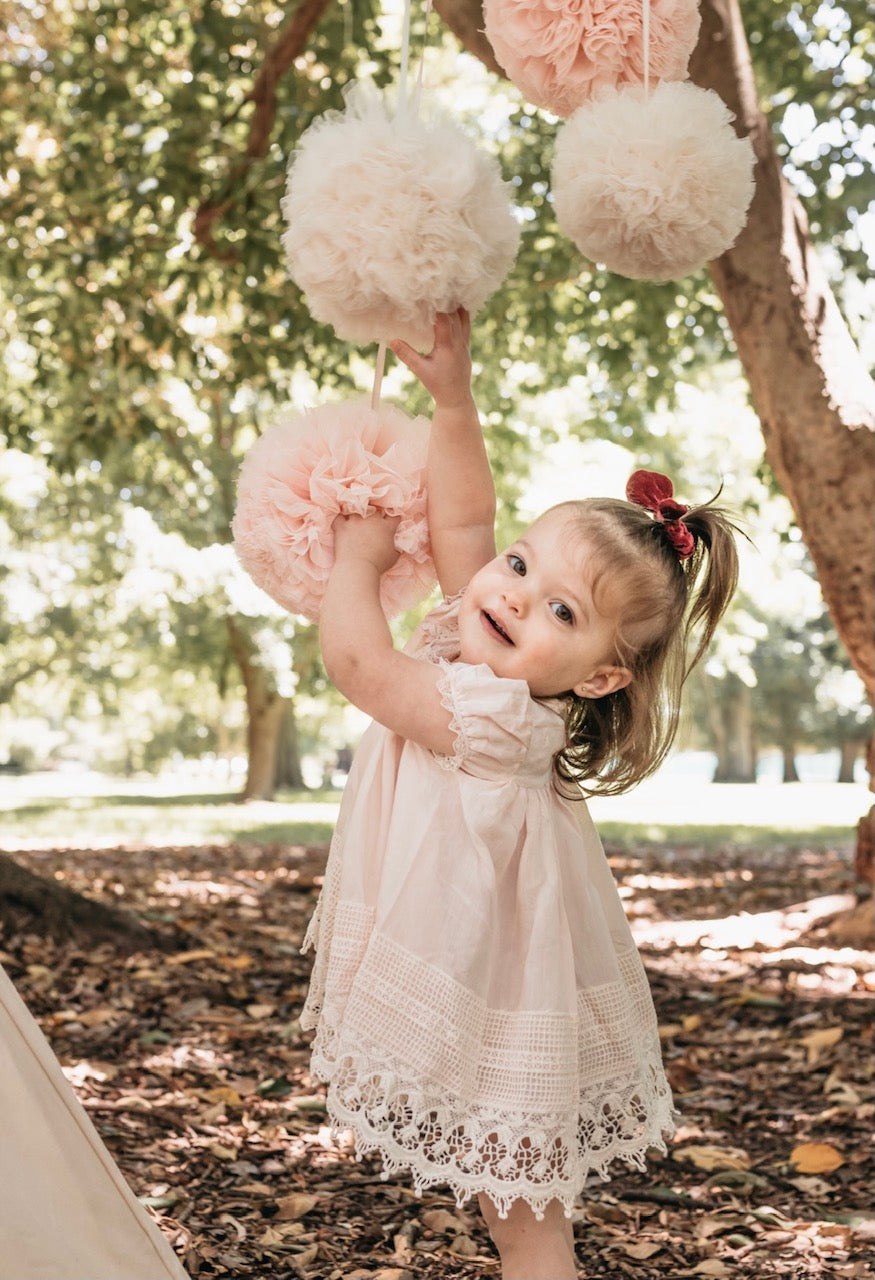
x=482, y=1015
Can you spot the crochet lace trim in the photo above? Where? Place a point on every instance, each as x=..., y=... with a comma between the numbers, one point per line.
x=461, y=748
x=474, y=1150
x=516, y=1104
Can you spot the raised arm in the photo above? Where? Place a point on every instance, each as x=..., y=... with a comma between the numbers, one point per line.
x=357, y=650
x=461, y=493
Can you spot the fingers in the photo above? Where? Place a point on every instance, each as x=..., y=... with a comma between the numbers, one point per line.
x=448, y=327
x=451, y=324
x=407, y=355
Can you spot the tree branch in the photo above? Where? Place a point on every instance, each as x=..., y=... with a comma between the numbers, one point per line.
x=11, y=680
x=465, y=19
x=290, y=44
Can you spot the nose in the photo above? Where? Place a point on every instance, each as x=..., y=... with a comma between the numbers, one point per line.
x=515, y=597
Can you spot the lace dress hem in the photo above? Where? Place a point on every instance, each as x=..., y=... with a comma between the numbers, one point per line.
x=516, y=1104
x=506, y=1156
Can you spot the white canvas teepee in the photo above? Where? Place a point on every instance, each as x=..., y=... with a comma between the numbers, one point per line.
x=66, y=1212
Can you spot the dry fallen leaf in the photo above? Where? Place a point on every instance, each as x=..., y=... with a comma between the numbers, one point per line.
x=712, y=1267
x=223, y=1093
x=816, y=1157
x=643, y=1250
x=290, y=1208
x=711, y=1157
x=278, y=1234
x=464, y=1247
x=221, y=1152
x=816, y=1042
x=439, y=1220
x=261, y=1011
x=190, y=957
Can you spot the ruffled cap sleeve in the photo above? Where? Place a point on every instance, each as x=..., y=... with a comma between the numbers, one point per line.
x=500, y=730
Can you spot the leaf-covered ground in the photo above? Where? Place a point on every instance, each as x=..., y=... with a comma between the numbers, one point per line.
x=193, y=1067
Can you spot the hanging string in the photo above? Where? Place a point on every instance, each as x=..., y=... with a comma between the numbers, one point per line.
x=646, y=34
x=380, y=367
x=405, y=59
x=378, y=375
x=417, y=97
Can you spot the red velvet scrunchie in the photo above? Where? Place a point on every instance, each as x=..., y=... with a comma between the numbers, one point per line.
x=655, y=493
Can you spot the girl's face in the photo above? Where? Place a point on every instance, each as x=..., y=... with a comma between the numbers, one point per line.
x=529, y=615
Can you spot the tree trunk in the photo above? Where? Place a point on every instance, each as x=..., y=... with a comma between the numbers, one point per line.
x=264, y=708
x=262, y=739
x=790, y=772
x=30, y=901
x=730, y=720
x=849, y=754
x=288, y=769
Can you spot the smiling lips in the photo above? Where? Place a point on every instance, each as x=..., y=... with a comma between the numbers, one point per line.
x=495, y=628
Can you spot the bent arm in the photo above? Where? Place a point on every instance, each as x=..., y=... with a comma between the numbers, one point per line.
x=461, y=492
x=357, y=649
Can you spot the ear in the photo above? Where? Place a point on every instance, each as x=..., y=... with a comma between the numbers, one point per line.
x=604, y=680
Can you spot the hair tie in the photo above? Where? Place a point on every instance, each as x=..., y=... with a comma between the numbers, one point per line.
x=655, y=493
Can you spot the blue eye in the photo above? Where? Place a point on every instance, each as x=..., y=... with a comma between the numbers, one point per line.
x=561, y=611
x=517, y=564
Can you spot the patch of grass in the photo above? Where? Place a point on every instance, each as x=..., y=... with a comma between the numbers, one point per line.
x=295, y=818
x=711, y=837
x=307, y=817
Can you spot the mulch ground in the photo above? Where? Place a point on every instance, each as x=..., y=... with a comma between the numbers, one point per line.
x=193, y=1067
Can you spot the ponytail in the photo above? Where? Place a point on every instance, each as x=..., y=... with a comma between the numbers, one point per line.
x=670, y=572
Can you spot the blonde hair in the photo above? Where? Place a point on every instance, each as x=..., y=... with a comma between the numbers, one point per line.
x=666, y=612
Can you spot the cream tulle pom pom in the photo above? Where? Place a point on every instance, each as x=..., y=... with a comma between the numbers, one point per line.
x=560, y=52
x=392, y=220
x=306, y=470
x=652, y=186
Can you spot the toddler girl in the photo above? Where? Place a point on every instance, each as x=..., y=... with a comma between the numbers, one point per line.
x=482, y=1015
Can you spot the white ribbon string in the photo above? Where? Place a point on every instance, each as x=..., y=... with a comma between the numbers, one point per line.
x=380, y=367
x=646, y=34
x=405, y=59
x=417, y=97
x=378, y=376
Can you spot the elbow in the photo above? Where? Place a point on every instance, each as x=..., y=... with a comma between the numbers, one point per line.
x=343, y=668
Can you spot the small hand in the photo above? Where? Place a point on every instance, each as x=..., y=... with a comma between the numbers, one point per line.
x=446, y=370
x=370, y=538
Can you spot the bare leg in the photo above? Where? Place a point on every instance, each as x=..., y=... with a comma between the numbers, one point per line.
x=529, y=1249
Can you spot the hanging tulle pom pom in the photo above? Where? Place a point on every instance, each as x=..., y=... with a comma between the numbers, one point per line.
x=559, y=53
x=392, y=220
x=652, y=186
x=309, y=468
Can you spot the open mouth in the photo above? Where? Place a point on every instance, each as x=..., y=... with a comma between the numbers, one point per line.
x=497, y=627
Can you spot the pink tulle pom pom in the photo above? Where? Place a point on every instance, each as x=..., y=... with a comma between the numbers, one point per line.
x=560, y=52
x=309, y=468
x=652, y=186
x=392, y=219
